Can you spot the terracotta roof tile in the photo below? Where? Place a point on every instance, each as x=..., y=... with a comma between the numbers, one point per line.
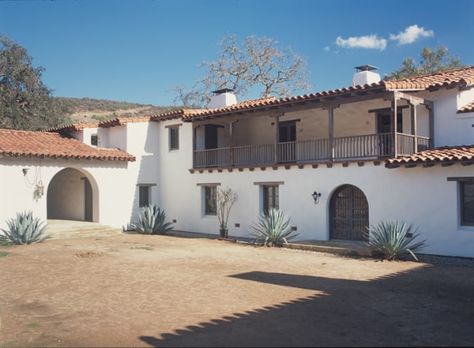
x=466, y=108
x=72, y=127
x=14, y=143
x=448, y=154
x=464, y=76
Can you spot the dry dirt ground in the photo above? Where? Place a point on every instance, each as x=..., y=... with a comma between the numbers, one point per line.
x=138, y=290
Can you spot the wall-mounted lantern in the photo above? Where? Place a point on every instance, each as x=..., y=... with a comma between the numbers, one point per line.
x=316, y=196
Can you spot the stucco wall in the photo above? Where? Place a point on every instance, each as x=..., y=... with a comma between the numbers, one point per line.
x=113, y=186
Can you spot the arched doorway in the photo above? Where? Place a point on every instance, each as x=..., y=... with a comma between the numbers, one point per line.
x=349, y=214
x=71, y=196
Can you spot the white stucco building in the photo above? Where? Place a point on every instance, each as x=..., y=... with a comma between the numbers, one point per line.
x=334, y=162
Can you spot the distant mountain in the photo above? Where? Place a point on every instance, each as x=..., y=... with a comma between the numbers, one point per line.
x=79, y=110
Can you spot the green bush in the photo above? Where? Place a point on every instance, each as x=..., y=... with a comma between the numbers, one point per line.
x=393, y=239
x=24, y=229
x=152, y=221
x=273, y=229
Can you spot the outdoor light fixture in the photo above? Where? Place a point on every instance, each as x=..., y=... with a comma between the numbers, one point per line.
x=316, y=196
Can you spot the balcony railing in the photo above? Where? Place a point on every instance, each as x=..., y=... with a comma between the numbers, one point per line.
x=371, y=146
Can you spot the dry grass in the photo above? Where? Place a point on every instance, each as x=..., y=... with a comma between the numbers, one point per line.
x=165, y=291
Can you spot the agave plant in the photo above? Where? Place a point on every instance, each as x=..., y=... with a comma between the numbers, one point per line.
x=273, y=229
x=152, y=221
x=24, y=229
x=392, y=239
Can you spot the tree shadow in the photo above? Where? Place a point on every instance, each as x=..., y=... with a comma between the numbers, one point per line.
x=404, y=309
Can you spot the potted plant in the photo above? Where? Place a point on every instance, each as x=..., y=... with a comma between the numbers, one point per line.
x=225, y=198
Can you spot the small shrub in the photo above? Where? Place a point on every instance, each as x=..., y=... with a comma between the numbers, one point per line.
x=392, y=239
x=152, y=221
x=24, y=229
x=273, y=229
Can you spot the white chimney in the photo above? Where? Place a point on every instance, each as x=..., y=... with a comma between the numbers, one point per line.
x=365, y=75
x=222, y=98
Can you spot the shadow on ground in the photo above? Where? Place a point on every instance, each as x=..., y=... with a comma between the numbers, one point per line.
x=412, y=308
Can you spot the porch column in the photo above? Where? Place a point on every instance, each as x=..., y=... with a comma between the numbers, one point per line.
x=414, y=130
x=194, y=145
x=431, y=123
x=331, y=132
x=394, y=124
x=277, y=137
x=231, y=140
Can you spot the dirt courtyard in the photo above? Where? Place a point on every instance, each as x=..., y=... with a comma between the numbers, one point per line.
x=134, y=290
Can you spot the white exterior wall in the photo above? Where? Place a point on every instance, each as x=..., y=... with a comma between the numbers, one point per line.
x=109, y=181
x=451, y=128
x=421, y=196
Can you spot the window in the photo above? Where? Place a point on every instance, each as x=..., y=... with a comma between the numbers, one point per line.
x=210, y=200
x=174, y=138
x=467, y=202
x=270, y=197
x=94, y=140
x=143, y=195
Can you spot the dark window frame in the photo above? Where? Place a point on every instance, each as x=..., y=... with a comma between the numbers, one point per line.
x=465, y=220
x=142, y=202
x=208, y=192
x=94, y=140
x=173, y=143
x=270, y=197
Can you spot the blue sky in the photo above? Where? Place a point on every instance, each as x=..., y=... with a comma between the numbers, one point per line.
x=139, y=50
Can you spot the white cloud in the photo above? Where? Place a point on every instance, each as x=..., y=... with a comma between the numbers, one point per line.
x=368, y=41
x=327, y=48
x=411, y=34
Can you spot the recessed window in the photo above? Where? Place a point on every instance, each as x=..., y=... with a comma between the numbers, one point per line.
x=210, y=200
x=467, y=202
x=270, y=196
x=94, y=140
x=173, y=138
x=144, y=196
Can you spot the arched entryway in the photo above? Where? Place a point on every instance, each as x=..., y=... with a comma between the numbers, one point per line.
x=349, y=214
x=71, y=196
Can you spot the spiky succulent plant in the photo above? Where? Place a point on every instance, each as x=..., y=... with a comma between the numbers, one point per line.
x=392, y=239
x=24, y=229
x=151, y=220
x=273, y=229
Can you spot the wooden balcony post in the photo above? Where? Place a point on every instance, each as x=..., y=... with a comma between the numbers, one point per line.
x=414, y=127
x=277, y=137
x=431, y=123
x=231, y=140
x=331, y=132
x=394, y=124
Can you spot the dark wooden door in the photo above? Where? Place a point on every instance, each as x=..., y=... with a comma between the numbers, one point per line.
x=349, y=214
x=210, y=136
x=287, y=141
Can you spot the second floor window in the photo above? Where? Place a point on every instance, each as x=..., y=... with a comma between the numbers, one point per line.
x=173, y=138
x=94, y=140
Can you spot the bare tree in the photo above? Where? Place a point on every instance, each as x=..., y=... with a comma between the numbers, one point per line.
x=256, y=63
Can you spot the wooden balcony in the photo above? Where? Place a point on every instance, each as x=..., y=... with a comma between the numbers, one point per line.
x=360, y=147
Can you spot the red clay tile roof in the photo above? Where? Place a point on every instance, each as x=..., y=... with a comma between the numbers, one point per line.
x=14, y=143
x=442, y=155
x=463, y=76
x=466, y=108
x=72, y=127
